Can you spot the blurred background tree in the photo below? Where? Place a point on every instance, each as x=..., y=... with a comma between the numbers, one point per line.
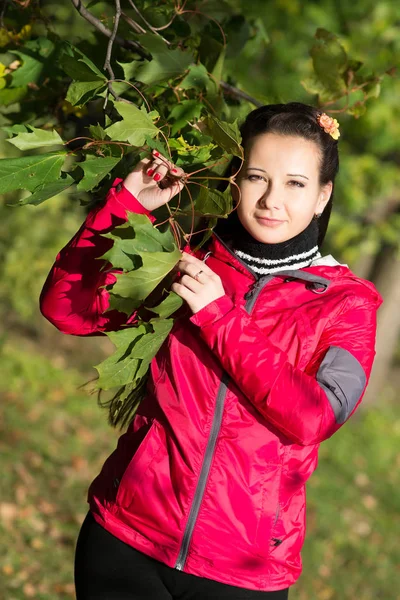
x=54, y=438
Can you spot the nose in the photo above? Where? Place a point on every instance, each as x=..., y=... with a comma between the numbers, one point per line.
x=272, y=198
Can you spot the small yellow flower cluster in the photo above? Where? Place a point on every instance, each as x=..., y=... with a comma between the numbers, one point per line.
x=329, y=125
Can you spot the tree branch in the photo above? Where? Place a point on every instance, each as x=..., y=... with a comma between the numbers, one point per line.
x=135, y=26
x=2, y=13
x=233, y=91
x=147, y=23
x=107, y=64
x=131, y=45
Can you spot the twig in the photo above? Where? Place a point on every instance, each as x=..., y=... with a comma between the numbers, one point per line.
x=230, y=89
x=131, y=45
x=2, y=13
x=135, y=26
x=147, y=23
x=107, y=63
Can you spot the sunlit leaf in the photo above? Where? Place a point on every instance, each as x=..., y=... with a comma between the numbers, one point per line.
x=134, y=127
x=48, y=190
x=36, y=138
x=165, y=64
x=95, y=168
x=168, y=306
x=36, y=60
x=30, y=172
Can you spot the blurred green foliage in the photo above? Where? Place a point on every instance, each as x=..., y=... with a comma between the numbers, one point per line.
x=54, y=438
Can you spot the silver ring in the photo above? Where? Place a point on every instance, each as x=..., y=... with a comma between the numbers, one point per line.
x=197, y=274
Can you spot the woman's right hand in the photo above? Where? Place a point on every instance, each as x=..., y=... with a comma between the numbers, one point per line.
x=154, y=181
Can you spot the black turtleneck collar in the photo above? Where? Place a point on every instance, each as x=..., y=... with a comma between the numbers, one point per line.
x=264, y=258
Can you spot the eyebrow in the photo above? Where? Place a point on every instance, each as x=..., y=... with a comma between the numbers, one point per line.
x=288, y=174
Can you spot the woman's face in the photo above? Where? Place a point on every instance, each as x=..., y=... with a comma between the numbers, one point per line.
x=279, y=180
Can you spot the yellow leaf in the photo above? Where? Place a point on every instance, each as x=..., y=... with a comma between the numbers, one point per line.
x=5, y=37
x=25, y=32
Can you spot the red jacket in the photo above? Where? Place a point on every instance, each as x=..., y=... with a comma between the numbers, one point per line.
x=210, y=476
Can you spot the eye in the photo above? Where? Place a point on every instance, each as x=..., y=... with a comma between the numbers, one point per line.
x=254, y=177
x=298, y=183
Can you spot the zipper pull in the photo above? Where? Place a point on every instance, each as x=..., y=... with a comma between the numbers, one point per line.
x=254, y=288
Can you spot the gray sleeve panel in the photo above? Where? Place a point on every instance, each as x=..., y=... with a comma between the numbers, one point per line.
x=343, y=379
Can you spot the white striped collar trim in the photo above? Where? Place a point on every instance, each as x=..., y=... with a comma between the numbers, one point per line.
x=279, y=261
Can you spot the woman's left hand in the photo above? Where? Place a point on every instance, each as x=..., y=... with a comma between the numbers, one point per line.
x=200, y=291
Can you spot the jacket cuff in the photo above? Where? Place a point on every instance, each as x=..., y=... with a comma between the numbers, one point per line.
x=128, y=200
x=213, y=311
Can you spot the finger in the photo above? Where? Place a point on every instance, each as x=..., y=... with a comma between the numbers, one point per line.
x=191, y=283
x=176, y=171
x=181, y=290
x=160, y=172
x=153, y=166
x=199, y=264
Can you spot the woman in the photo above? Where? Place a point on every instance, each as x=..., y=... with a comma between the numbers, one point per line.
x=204, y=496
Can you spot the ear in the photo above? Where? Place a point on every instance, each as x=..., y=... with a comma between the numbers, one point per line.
x=323, y=198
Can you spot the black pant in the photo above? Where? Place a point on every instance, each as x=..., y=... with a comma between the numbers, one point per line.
x=108, y=569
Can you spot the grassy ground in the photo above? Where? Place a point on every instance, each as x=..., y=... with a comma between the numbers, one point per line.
x=54, y=438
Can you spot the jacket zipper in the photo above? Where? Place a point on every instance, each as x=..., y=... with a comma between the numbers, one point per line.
x=251, y=297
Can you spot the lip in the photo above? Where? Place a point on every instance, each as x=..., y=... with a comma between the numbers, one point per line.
x=269, y=222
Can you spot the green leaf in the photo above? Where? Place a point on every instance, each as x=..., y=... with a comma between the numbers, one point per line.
x=130, y=69
x=372, y=89
x=212, y=222
x=122, y=255
x=137, y=285
x=214, y=202
x=12, y=95
x=155, y=144
x=357, y=110
x=36, y=138
x=136, y=347
x=183, y=112
x=133, y=238
x=134, y=127
x=130, y=241
x=17, y=128
x=88, y=79
x=97, y=132
x=226, y=135
x=29, y=172
x=95, y=169
x=113, y=372
x=191, y=154
x=124, y=337
x=119, y=369
x=168, y=306
x=78, y=66
x=196, y=78
x=151, y=238
x=329, y=61
x=36, y=61
x=48, y=190
x=125, y=305
x=314, y=86
x=150, y=343
x=166, y=63
x=81, y=92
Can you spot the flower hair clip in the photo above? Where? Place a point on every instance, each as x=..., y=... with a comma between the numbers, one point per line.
x=329, y=125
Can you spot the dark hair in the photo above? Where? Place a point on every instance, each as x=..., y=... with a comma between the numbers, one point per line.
x=294, y=119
